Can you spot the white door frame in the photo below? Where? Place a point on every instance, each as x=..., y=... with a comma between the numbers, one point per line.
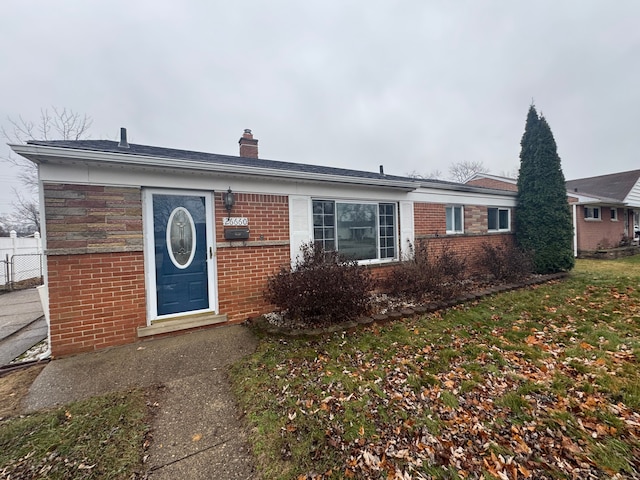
x=149, y=252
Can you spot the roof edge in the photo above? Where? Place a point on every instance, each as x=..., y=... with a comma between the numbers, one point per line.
x=43, y=154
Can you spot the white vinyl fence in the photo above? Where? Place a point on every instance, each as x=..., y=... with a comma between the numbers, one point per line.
x=20, y=259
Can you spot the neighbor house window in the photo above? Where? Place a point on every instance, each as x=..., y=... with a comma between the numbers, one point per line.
x=455, y=220
x=614, y=214
x=592, y=213
x=360, y=231
x=498, y=219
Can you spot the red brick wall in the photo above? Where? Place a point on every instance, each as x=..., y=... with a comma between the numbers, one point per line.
x=243, y=267
x=95, y=266
x=268, y=215
x=491, y=183
x=242, y=277
x=601, y=233
x=96, y=300
x=429, y=219
x=468, y=246
x=430, y=225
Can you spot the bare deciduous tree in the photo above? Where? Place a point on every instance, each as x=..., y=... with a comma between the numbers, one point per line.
x=60, y=124
x=432, y=175
x=28, y=213
x=462, y=171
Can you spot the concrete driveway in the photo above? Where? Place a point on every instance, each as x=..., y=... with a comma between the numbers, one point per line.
x=22, y=323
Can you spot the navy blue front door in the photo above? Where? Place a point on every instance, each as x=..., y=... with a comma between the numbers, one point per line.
x=180, y=241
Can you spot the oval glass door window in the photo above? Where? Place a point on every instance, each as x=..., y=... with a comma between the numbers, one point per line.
x=181, y=237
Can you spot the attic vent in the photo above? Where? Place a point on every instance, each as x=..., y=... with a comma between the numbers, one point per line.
x=123, y=138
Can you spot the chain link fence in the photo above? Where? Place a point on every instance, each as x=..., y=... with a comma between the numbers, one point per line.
x=22, y=270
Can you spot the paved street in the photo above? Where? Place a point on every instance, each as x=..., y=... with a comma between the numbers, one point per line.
x=22, y=323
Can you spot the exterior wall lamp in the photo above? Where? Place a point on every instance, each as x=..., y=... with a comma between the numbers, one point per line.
x=229, y=201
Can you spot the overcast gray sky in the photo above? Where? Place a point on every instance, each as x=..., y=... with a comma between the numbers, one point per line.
x=414, y=85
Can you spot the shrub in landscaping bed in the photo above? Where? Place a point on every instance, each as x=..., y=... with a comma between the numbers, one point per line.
x=506, y=262
x=323, y=287
x=428, y=274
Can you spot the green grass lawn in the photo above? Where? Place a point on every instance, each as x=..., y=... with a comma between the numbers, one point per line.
x=537, y=383
x=94, y=439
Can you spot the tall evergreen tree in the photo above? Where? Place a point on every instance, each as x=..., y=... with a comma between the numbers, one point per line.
x=543, y=216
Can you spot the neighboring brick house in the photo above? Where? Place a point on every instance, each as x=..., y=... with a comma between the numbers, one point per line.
x=606, y=208
x=493, y=181
x=144, y=241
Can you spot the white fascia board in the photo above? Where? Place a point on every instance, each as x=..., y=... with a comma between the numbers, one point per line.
x=462, y=198
x=42, y=154
x=463, y=187
x=585, y=200
x=212, y=181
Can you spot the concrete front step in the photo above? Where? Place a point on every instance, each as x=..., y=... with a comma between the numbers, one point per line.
x=177, y=324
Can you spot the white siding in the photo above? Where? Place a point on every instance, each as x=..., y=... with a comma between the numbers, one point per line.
x=300, y=223
x=407, y=236
x=633, y=198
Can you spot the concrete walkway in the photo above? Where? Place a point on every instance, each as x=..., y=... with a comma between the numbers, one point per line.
x=198, y=430
x=22, y=323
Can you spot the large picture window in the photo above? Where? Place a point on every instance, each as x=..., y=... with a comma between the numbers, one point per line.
x=498, y=219
x=360, y=231
x=455, y=220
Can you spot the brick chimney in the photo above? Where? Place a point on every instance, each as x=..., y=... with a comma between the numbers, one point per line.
x=248, y=145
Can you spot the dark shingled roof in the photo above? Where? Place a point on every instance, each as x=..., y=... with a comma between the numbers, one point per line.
x=213, y=158
x=108, y=146
x=614, y=186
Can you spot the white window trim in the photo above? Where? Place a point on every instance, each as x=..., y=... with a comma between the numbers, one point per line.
x=455, y=232
x=508, y=229
x=614, y=218
x=592, y=218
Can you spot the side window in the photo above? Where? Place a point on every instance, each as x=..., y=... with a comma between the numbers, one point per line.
x=387, y=220
x=324, y=220
x=498, y=219
x=614, y=214
x=455, y=219
x=592, y=213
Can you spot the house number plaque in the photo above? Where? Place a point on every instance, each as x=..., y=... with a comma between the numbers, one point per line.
x=235, y=222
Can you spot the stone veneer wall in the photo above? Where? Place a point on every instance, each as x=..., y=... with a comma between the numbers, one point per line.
x=95, y=266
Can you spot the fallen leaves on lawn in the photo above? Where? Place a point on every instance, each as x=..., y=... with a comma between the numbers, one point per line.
x=509, y=421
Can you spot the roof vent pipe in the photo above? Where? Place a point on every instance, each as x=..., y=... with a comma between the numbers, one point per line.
x=381, y=169
x=123, y=138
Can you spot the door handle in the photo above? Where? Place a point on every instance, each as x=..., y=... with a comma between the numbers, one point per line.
x=210, y=252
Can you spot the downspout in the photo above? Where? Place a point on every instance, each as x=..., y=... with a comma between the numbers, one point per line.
x=575, y=230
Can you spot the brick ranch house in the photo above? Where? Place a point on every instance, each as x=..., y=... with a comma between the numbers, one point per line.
x=144, y=241
x=605, y=208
